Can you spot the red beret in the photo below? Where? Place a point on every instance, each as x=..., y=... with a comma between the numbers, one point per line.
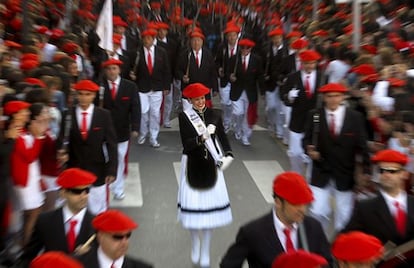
x=70, y=47
x=111, y=62
x=29, y=56
x=277, y=31
x=357, y=247
x=294, y=34
x=195, y=90
x=162, y=25
x=118, y=21
x=364, y=69
x=16, y=23
x=321, y=33
x=292, y=187
x=246, y=43
x=395, y=82
x=42, y=29
x=370, y=49
x=57, y=33
x=299, y=44
x=35, y=82
x=113, y=221
x=298, y=259
x=333, y=87
x=27, y=65
x=74, y=177
x=371, y=78
x=197, y=34
x=390, y=156
x=149, y=32
x=55, y=259
x=13, y=107
x=152, y=25
x=231, y=28
x=11, y=44
x=155, y=5
x=86, y=85
x=309, y=55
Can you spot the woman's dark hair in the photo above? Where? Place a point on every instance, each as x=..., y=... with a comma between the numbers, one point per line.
x=35, y=110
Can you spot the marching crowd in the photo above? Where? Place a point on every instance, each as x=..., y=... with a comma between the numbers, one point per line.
x=70, y=108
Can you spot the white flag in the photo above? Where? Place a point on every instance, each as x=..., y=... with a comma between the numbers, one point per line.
x=104, y=28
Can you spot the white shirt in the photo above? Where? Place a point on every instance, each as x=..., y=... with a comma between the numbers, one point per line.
x=339, y=115
x=117, y=82
x=68, y=216
x=106, y=262
x=245, y=60
x=279, y=226
x=79, y=116
x=151, y=50
x=198, y=54
x=401, y=198
x=312, y=80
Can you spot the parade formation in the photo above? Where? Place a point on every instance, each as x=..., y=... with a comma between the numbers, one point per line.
x=83, y=81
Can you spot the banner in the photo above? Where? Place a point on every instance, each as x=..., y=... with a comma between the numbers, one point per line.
x=104, y=27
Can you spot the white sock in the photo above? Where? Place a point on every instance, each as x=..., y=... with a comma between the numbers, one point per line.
x=195, y=246
x=205, y=247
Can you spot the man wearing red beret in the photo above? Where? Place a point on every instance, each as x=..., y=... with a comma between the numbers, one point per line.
x=55, y=259
x=113, y=233
x=333, y=144
x=196, y=65
x=67, y=227
x=387, y=216
x=153, y=81
x=245, y=73
x=225, y=51
x=92, y=143
x=286, y=228
x=273, y=55
x=299, y=259
x=300, y=93
x=121, y=98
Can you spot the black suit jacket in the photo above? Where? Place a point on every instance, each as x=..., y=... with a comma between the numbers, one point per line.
x=288, y=65
x=222, y=61
x=49, y=234
x=160, y=78
x=90, y=259
x=301, y=105
x=338, y=153
x=258, y=243
x=206, y=74
x=125, y=108
x=250, y=80
x=373, y=217
x=202, y=172
x=272, y=65
x=172, y=51
x=88, y=154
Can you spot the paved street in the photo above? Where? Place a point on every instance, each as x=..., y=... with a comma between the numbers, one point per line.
x=152, y=194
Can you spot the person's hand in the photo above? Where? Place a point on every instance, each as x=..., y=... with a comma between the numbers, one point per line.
x=292, y=94
x=226, y=161
x=186, y=79
x=166, y=91
x=132, y=75
x=134, y=134
x=233, y=78
x=211, y=129
x=109, y=179
x=313, y=154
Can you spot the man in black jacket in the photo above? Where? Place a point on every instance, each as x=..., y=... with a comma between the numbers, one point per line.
x=285, y=228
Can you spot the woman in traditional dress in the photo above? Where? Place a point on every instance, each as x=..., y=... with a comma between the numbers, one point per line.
x=203, y=201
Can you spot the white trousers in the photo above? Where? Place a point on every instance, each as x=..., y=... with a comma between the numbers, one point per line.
x=150, y=114
x=226, y=105
x=274, y=112
x=321, y=207
x=239, y=107
x=117, y=186
x=287, y=113
x=97, y=201
x=298, y=158
x=168, y=104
